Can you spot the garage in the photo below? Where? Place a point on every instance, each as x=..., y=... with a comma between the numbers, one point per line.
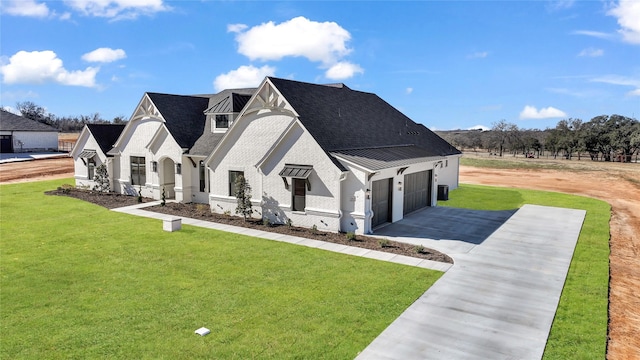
x=6, y=144
x=381, y=202
x=417, y=191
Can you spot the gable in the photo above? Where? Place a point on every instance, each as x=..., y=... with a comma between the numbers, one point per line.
x=105, y=135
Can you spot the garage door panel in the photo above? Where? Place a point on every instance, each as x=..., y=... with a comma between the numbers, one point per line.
x=417, y=191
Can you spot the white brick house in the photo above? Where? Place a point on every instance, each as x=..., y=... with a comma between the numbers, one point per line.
x=323, y=155
x=329, y=156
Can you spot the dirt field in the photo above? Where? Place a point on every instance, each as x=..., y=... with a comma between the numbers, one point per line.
x=618, y=184
x=36, y=170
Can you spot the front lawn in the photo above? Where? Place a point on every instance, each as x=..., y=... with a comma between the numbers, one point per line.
x=579, y=329
x=80, y=281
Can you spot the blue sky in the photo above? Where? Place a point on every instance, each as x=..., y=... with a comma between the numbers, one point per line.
x=448, y=65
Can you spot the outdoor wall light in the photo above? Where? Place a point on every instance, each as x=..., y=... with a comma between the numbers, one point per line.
x=368, y=193
x=399, y=185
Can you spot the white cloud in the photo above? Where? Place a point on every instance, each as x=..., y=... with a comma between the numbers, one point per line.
x=29, y=8
x=530, y=112
x=104, y=55
x=628, y=14
x=596, y=34
x=409, y=90
x=39, y=67
x=343, y=70
x=478, y=55
x=236, y=28
x=622, y=81
x=117, y=9
x=479, y=127
x=560, y=5
x=591, y=52
x=243, y=77
x=324, y=42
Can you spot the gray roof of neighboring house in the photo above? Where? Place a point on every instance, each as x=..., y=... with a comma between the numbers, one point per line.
x=184, y=115
x=224, y=102
x=13, y=122
x=105, y=134
x=342, y=119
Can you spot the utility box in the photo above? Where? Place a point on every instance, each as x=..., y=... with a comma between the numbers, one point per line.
x=443, y=192
x=172, y=224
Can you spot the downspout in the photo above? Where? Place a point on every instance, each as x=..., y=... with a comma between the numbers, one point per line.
x=343, y=177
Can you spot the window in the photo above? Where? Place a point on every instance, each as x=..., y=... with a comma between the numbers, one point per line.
x=299, y=194
x=222, y=121
x=91, y=165
x=202, y=176
x=233, y=176
x=138, y=170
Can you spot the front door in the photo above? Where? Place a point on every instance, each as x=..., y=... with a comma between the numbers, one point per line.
x=381, y=202
x=168, y=179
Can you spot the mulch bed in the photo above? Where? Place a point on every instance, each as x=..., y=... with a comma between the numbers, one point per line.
x=203, y=212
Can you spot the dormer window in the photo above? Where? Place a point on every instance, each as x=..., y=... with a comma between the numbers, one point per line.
x=222, y=121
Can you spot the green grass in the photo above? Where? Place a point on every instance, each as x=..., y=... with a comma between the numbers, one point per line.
x=506, y=163
x=579, y=329
x=79, y=281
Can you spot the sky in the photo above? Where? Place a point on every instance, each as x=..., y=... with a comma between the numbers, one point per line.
x=445, y=64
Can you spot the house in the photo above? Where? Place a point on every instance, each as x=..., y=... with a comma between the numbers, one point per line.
x=162, y=147
x=19, y=134
x=328, y=156
x=90, y=151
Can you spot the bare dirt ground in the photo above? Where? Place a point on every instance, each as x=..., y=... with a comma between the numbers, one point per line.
x=36, y=170
x=618, y=184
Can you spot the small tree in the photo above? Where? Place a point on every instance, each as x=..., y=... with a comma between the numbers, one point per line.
x=243, y=196
x=101, y=179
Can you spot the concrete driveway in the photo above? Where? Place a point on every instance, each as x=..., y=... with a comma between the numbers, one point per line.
x=499, y=299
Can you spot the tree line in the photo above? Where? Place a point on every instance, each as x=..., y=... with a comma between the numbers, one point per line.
x=38, y=113
x=603, y=138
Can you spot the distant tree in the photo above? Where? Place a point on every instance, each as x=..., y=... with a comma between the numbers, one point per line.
x=500, y=131
x=243, y=197
x=120, y=120
x=35, y=112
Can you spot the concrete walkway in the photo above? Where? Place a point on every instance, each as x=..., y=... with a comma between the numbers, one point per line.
x=499, y=299
x=343, y=249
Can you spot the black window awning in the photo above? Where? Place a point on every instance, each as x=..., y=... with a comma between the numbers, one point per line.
x=87, y=154
x=296, y=172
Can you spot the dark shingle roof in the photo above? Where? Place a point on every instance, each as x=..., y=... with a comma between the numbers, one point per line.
x=224, y=102
x=184, y=115
x=13, y=122
x=340, y=118
x=106, y=134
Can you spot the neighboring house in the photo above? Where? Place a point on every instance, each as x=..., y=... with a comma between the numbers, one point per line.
x=19, y=134
x=90, y=151
x=329, y=156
